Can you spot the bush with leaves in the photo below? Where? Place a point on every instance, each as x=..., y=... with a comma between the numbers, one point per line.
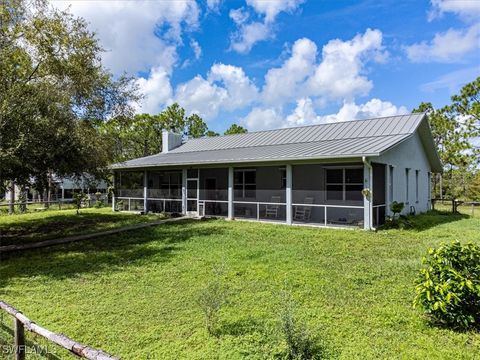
x=300, y=343
x=448, y=287
x=212, y=298
x=78, y=199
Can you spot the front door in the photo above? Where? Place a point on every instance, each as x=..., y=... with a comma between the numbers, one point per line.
x=192, y=197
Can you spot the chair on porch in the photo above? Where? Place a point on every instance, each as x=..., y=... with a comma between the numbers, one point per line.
x=271, y=210
x=303, y=213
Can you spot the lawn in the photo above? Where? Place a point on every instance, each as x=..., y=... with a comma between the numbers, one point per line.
x=134, y=294
x=51, y=224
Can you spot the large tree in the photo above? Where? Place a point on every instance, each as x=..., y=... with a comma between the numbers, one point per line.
x=54, y=94
x=141, y=135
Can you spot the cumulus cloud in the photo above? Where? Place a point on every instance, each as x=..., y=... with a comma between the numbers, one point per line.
x=449, y=46
x=341, y=71
x=156, y=90
x=249, y=33
x=284, y=83
x=304, y=114
x=197, y=50
x=466, y=9
x=128, y=30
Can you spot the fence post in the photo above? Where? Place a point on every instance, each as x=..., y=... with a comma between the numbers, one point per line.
x=19, y=340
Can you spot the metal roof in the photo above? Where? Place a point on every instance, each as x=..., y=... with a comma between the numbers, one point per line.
x=349, y=139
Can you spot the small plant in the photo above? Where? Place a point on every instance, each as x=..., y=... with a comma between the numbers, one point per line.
x=78, y=199
x=448, y=287
x=211, y=300
x=300, y=343
x=396, y=208
x=98, y=200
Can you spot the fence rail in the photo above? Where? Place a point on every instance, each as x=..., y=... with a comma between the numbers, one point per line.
x=21, y=322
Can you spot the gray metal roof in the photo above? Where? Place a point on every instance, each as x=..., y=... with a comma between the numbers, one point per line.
x=349, y=139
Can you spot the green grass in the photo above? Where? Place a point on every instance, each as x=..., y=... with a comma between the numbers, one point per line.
x=134, y=294
x=51, y=224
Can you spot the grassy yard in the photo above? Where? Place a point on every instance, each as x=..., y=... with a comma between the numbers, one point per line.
x=134, y=295
x=51, y=224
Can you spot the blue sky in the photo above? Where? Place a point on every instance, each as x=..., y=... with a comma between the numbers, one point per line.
x=278, y=63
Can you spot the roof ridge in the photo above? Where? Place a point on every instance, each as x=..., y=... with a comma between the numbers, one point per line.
x=292, y=143
x=305, y=126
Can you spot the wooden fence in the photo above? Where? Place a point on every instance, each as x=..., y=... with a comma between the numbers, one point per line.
x=455, y=203
x=21, y=323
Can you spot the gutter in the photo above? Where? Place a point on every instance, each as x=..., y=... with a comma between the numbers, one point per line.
x=366, y=162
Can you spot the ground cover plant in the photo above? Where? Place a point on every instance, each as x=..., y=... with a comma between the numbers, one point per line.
x=134, y=294
x=24, y=228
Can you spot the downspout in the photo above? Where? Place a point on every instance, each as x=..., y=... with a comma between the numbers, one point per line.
x=370, y=183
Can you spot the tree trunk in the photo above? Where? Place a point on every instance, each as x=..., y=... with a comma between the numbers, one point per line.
x=11, y=205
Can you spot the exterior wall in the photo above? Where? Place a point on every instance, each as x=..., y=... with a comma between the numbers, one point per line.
x=408, y=154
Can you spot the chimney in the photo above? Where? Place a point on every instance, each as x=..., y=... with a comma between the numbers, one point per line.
x=170, y=140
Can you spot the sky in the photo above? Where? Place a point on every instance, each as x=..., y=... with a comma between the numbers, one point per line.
x=268, y=64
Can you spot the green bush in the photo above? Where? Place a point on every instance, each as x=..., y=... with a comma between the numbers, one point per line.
x=448, y=286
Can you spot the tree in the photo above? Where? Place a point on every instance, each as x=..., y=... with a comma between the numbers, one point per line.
x=211, y=133
x=141, y=135
x=54, y=94
x=453, y=139
x=468, y=104
x=235, y=129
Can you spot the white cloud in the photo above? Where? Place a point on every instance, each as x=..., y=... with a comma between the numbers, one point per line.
x=213, y=5
x=466, y=9
x=373, y=108
x=156, y=89
x=340, y=74
x=270, y=9
x=449, y=46
x=249, y=33
x=262, y=119
x=284, y=82
x=304, y=114
x=452, y=81
x=197, y=50
x=225, y=88
x=127, y=30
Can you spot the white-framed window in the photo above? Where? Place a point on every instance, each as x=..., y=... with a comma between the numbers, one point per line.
x=244, y=183
x=344, y=184
x=407, y=185
x=417, y=174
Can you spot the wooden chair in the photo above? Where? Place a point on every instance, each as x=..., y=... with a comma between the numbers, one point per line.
x=271, y=211
x=303, y=213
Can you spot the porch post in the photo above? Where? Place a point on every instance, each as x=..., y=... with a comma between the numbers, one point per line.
x=367, y=200
x=113, y=193
x=184, y=191
x=230, y=193
x=145, y=191
x=289, y=193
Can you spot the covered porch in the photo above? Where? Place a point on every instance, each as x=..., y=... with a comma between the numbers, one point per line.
x=350, y=194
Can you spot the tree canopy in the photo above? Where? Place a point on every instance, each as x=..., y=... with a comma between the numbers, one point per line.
x=54, y=93
x=235, y=129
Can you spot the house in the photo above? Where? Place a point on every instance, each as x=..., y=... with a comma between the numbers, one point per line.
x=337, y=174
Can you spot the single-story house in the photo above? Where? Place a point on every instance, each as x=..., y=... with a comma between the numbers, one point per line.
x=336, y=174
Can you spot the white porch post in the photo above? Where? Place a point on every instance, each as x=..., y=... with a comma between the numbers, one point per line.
x=184, y=191
x=113, y=193
x=367, y=200
x=289, y=193
x=230, y=193
x=145, y=191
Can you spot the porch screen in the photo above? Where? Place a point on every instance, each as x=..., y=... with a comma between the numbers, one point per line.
x=344, y=184
x=245, y=183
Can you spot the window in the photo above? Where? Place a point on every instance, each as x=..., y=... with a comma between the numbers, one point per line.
x=245, y=183
x=416, y=185
x=390, y=178
x=429, y=179
x=407, y=190
x=171, y=184
x=344, y=184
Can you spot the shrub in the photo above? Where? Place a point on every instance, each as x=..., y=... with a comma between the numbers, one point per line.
x=78, y=199
x=211, y=299
x=448, y=287
x=396, y=208
x=300, y=343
